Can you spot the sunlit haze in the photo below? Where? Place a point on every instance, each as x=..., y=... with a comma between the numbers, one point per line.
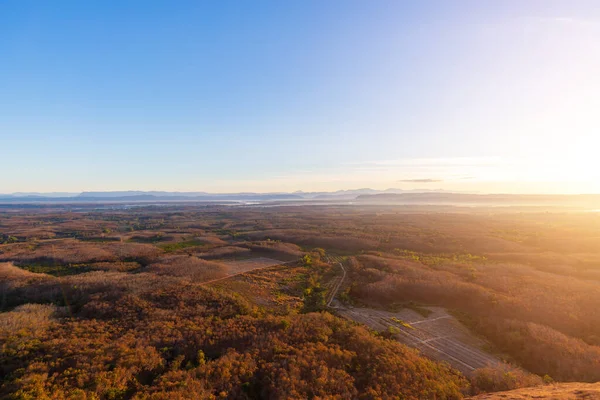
x=230, y=96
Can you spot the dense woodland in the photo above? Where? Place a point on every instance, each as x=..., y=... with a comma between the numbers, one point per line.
x=161, y=302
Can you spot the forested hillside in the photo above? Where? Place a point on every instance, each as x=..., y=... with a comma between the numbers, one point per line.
x=213, y=302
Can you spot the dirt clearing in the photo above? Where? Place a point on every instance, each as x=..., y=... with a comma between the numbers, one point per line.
x=241, y=266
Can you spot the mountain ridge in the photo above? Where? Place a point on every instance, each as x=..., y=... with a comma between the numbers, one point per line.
x=140, y=195
x=389, y=196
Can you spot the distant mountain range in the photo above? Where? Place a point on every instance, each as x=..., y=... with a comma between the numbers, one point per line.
x=147, y=197
x=438, y=198
x=362, y=196
x=143, y=196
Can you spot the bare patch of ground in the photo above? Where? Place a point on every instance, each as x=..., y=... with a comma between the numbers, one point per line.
x=561, y=391
x=28, y=316
x=204, y=271
x=278, y=288
x=241, y=266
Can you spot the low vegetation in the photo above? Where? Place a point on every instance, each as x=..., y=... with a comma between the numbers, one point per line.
x=165, y=302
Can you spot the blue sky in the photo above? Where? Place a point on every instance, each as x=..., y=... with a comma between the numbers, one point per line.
x=314, y=95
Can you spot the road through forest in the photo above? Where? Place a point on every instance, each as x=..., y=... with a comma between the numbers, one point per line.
x=337, y=285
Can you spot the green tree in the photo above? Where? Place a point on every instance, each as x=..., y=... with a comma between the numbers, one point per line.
x=314, y=299
x=307, y=260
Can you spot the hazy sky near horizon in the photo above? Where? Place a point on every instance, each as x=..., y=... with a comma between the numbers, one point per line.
x=228, y=96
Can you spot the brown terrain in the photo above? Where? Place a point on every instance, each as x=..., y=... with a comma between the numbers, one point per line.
x=439, y=336
x=297, y=302
x=562, y=391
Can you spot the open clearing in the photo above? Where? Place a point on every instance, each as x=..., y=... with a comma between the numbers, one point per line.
x=241, y=266
x=236, y=268
x=439, y=336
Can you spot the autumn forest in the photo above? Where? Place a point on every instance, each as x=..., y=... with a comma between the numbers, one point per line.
x=295, y=302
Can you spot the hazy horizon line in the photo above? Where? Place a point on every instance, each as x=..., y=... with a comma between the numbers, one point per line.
x=201, y=192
